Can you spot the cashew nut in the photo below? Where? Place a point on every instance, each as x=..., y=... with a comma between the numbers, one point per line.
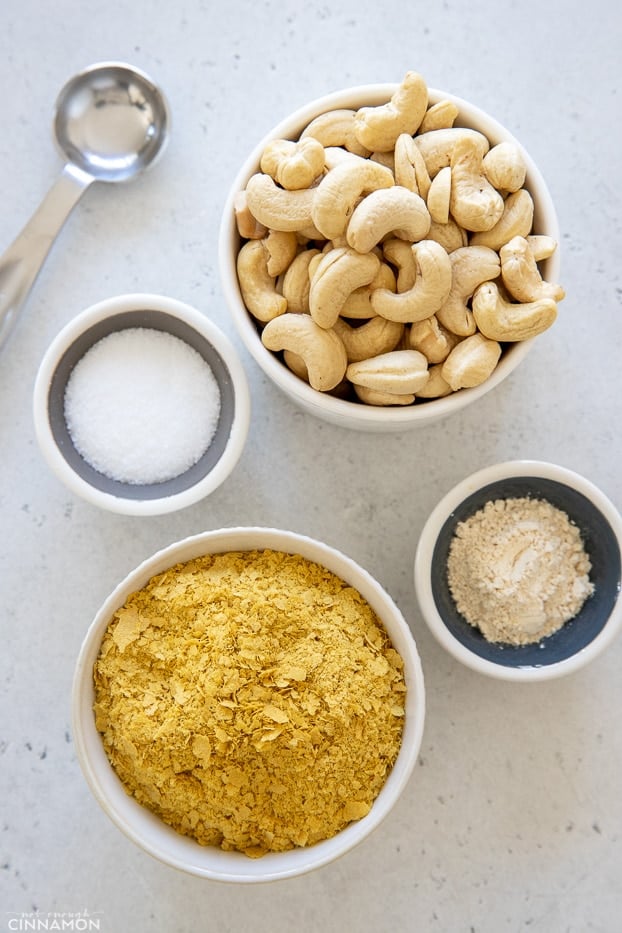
x=296, y=282
x=449, y=235
x=277, y=208
x=433, y=281
x=516, y=220
x=281, y=247
x=258, y=287
x=377, y=397
x=431, y=339
x=470, y=362
x=541, y=245
x=474, y=203
x=505, y=167
x=439, y=116
x=377, y=128
x=336, y=276
x=357, y=305
x=336, y=128
x=296, y=363
x=503, y=320
x=437, y=146
x=293, y=164
x=399, y=372
x=384, y=158
x=387, y=210
x=248, y=226
x=471, y=265
x=321, y=349
x=399, y=253
x=439, y=196
x=341, y=188
x=371, y=339
x=521, y=276
x=409, y=166
x=436, y=386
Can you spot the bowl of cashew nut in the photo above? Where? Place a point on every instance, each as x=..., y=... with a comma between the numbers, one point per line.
x=389, y=253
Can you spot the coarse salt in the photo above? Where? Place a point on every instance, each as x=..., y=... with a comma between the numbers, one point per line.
x=142, y=406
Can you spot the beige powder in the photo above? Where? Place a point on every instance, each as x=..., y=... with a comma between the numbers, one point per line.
x=517, y=570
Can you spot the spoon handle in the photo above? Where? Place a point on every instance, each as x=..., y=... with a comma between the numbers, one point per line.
x=22, y=261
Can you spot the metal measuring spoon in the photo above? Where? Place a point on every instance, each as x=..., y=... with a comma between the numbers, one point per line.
x=111, y=121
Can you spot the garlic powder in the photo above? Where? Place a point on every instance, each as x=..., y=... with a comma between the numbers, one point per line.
x=517, y=570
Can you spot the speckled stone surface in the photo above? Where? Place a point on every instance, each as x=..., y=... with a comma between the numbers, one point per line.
x=513, y=818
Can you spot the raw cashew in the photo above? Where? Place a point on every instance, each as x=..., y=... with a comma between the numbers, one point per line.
x=439, y=116
x=521, y=275
x=377, y=128
x=409, y=166
x=439, y=196
x=474, y=203
x=541, y=245
x=399, y=372
x=336, y=276
x=436, y=386
x=277, y=208
x=377, y=397
x=516, y=220
x=336, y=128
x=357, y=305
x=432, y=284
x=296, y=282
x=502, y=320
x=384, y=158
x=505, y=167
x=470, y=362
x=437, y=146
x=431, y=339
x=471, y=265
x=371, y=339
x=321, y=349
x=340, y=190
x=449, y=235
x=387, y=210
x=248, y=226
x=258, y=287
x=296, y=363
x=293, y=164
x=281, y=247
x=399, y=253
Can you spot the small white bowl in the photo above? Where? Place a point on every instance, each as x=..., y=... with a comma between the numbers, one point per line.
x=581, y=639
x=330, y=408
x=70, y=345
x=142, y=826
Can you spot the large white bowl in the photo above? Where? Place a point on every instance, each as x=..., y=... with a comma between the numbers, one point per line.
x=142, y=826
x=330, y=408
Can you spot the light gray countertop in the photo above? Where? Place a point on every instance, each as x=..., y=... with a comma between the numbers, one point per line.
x=512, y=820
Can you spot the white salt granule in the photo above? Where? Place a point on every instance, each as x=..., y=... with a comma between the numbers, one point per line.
x=141, y=406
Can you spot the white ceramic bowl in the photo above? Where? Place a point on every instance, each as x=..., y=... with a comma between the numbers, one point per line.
x=330, y=408
x=154, y=836
x=581, y=639
x=75, y=339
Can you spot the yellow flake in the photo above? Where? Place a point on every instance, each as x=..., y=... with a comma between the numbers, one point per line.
x=252, y=700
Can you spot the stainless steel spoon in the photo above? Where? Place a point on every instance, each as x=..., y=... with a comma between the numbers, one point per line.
x=110, y=121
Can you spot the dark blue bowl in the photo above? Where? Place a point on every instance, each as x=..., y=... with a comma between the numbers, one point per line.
x=580, y=639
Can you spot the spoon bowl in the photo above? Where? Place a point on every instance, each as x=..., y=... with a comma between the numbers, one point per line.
x=111, y=121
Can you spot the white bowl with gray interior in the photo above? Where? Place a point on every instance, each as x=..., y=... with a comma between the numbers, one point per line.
x=67, y=349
